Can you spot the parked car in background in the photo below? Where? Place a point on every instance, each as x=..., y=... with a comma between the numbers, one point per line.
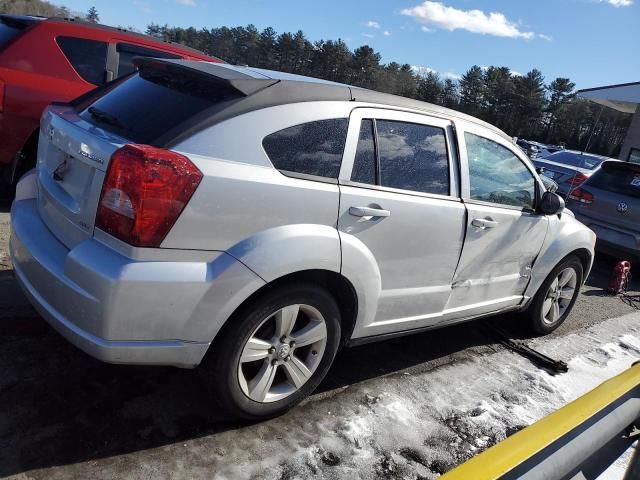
x=44, y=60
x=569, y=168
x=545, y=150
x=254, y=221
x=537, y=149
x=609, y=204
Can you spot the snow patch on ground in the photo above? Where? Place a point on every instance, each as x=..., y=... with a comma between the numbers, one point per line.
x=422, y=425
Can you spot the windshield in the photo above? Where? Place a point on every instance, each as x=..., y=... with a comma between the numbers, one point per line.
x=579, y=160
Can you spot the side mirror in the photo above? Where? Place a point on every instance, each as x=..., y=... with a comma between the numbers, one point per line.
x=551, y=203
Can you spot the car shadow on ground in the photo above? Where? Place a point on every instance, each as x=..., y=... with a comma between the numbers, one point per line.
x=58, y=406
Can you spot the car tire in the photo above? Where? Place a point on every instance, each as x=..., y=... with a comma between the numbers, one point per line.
x=556, y=296
x=237, y=382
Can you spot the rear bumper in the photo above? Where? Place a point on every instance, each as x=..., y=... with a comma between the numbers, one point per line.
x=117, y=309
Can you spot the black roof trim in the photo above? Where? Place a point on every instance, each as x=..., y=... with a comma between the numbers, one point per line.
x=146, y=37
x=261, y=91
x=387, y=99
x=606, y=87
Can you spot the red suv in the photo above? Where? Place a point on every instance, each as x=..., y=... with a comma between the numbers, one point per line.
x=43, y=60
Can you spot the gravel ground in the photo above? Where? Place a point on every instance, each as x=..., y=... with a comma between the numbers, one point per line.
x=65, y=415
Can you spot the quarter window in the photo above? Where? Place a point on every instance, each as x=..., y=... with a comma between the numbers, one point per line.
x=313, y=148
x=88, y=57
x=497, y=175
x=412, y=157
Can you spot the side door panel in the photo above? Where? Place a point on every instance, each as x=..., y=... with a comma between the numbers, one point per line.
x=415, y=249
x=496, y=262
x=501, y=244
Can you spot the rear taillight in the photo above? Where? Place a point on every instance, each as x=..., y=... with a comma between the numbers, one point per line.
x=1, y=95
x=145, y=190
x=581, y=195
x=578, y=179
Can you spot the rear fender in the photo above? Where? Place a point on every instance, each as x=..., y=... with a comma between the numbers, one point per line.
x=279, y=251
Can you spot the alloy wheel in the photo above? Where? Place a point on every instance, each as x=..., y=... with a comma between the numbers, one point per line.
x=559, y=296
x=282, y=353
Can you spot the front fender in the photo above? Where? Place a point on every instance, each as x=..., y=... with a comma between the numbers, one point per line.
x=565, y=235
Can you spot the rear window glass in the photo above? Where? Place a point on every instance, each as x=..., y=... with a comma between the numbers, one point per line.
x=87, y=57
x=618, y=179
x=576, y=159
x=7, y=34
x=151, y=103
x=313, y=148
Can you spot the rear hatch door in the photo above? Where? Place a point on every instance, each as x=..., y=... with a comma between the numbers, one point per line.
x=77, y=140
x=72, y=159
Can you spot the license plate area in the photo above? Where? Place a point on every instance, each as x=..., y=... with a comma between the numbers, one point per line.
x=71, y=178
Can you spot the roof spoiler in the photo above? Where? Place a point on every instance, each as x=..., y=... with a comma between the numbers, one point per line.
x=208, y=72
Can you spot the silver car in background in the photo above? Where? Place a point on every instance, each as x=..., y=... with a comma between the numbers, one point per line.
x=252, y=222
x=569, y=168
x=609, y=204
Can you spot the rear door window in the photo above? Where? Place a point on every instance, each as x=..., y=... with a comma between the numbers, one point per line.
x=313, y=148
x=87, y=57
x=364, y=164
x=127, y=52
x=402, y=155
x=413, y=157
x=154, y=102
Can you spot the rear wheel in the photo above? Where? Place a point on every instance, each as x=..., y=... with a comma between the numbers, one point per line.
x=556, y=297
x=275, y=353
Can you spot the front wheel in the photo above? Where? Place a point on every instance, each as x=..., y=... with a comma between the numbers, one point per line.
x=557, y=295
x=275, y=353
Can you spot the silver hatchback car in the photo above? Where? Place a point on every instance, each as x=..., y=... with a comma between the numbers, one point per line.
x=253, y=222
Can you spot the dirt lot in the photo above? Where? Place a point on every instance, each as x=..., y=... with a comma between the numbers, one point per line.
x=65, y=415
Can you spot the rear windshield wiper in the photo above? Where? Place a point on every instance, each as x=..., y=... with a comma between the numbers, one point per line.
x=105, y=117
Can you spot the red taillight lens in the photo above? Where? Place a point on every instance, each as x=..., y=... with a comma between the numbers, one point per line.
x=581, y=195
x=1, y=95
x=577, y=179
x=145, y=190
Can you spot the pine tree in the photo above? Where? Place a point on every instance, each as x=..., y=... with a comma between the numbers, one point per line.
x=92, y=15
x=472, y=90
x=430, y=88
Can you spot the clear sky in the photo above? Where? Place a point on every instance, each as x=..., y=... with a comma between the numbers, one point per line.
x=593, y=42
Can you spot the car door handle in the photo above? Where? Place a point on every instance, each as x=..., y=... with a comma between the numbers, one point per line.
x=483, y=223
x=368, y=212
